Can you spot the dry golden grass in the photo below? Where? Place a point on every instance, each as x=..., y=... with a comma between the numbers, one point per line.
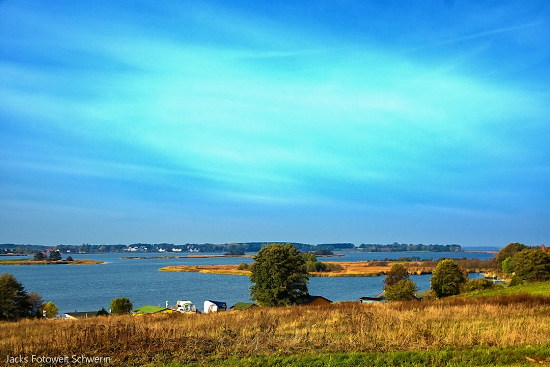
x=343, y=269
x=214, y=269
x=506, y=321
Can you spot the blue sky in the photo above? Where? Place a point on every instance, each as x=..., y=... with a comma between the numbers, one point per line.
x=309, y=121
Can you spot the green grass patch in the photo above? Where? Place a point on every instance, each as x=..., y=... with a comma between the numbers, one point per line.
x=523, y=356
x=537, y=289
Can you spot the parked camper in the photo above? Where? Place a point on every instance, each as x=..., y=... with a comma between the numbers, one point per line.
x=185, y=306
x=214, y=306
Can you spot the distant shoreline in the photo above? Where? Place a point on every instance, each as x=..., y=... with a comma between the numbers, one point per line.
x=46, y=262
x=181, y=257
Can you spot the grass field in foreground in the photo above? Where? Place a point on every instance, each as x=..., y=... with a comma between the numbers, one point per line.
x=427, y=331
x=526, y=356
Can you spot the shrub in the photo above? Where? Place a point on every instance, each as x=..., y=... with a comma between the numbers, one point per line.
x=477, y=284
x=39, y=256
x=50, y=310
x=333, y=267
x=54, y=256
x=121, y=306
x=403, y=290
x=242, y=266
x=316, y=266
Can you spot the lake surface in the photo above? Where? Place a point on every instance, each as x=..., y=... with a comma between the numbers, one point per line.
x=91, y=287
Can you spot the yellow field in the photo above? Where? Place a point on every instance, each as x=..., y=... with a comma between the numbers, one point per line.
x=344, y=269
x=502, y=322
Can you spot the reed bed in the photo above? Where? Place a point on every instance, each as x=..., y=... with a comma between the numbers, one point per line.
x=502, y=322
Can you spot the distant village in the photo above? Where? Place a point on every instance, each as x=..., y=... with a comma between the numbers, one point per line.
x=27, y=249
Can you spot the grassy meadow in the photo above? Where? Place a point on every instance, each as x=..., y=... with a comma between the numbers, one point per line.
x=461, y=331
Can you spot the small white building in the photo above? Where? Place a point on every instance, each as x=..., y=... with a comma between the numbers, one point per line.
x=214, y=306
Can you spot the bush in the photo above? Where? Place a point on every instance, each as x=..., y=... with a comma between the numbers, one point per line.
x=402, y=290
x=315, y=266
x=477, y=284
x=333, y=267
x=242, y=266
x=121, y=306
x=515, y=281
x=39, y=256
x=50, y=310
x=54, y=256
x=69, y=258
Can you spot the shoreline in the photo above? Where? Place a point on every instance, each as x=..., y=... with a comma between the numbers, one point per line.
x=182, y=257
x=45, y=262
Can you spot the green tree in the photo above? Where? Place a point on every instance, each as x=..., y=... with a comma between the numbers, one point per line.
x=448, y=278
x=279, y=275
x=54, y=256
x=121, y=306
x=397, y=272
x=39, y=256
x=508, y=251
x=15, y=303
x=50, y=310
x=398, y=286
x=507, y=266
x=531, y=265
x=312, y=264
x=35, y=303
x=403, y=290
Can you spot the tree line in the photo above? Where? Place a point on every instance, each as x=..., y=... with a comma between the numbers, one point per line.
x=404, y=247
x=223, y=247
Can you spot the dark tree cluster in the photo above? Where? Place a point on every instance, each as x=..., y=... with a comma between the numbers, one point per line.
x=15, y=302
x=530, y=264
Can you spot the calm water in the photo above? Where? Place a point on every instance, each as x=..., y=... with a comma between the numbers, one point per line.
x=91, y=287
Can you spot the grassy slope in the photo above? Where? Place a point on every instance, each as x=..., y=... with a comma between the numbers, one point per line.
x=539, y=288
